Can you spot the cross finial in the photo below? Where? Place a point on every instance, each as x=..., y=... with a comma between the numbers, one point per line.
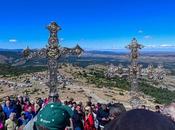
x=134, y=40
x=53, y=27
x=134, y=45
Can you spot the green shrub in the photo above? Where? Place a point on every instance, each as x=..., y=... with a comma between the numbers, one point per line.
x=162, y=96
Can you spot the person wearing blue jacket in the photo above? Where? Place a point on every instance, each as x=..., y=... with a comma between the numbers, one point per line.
x=8, y=109
x=29, y=114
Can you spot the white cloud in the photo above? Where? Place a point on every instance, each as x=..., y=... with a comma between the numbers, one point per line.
x=12, y=40
x=160, y=46
x=140, y=31
x=166, y=45
x=147, y=37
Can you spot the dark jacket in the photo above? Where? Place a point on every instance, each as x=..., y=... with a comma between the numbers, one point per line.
x=18, y=110
x=77, y=119
x=102, y=114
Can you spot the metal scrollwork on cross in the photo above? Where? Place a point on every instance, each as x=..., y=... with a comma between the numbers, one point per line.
x=155, y=74
x=135, y=72
x=52, y=52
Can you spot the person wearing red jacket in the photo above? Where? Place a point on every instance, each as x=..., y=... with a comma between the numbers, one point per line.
x=89, y=123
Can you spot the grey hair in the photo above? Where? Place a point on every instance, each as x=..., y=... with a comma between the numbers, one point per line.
x=116, y=111
x=169, y=111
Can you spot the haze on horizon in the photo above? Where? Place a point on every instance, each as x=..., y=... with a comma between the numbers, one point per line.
x=94, y=24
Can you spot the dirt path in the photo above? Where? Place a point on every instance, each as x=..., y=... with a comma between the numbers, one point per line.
x=89, y=93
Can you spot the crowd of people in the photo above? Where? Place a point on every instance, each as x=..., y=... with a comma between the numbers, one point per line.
x=72, y=115
x=16, y=113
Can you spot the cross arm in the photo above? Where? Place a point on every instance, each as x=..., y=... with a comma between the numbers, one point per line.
x=29, y=54
x=154, y=73
x=72, y=51
x=119, y=71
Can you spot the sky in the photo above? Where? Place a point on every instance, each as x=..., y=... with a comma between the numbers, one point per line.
x=94, y=24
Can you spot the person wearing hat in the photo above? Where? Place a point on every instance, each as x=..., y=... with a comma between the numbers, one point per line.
x=54, y=116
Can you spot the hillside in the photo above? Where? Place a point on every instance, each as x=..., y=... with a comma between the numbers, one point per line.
x=87, y=74
x=86, y=82
x=79, y=88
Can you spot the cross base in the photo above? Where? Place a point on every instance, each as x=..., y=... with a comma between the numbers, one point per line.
x=135, y=101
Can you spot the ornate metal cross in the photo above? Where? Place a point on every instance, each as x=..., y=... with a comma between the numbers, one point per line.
x=135, y=72
x=135, y=68
x=53, y=52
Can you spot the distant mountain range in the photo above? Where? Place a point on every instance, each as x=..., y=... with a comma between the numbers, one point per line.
x=112, y=50
x=8, y=56
x=11, y=50
x=12, y=56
